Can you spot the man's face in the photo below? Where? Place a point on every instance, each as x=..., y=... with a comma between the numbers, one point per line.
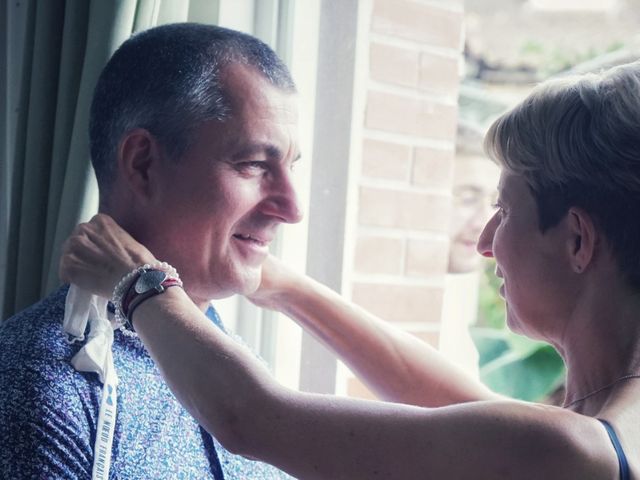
x=223, y=201
x=474, y=192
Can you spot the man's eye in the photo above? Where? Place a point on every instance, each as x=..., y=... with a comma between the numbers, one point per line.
x=253, y=166
x=467, y=198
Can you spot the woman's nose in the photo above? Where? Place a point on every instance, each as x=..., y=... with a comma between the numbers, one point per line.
x=485, y=241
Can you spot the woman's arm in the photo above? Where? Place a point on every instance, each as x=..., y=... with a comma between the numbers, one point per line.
x=319, y=436
x=394, y=364
x=325, y=437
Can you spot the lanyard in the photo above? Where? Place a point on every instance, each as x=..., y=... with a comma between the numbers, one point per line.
x=106, y=424
x=82, y=308
x=95, y=356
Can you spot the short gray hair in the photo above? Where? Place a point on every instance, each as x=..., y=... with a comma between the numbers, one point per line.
x=576, y=142
x=167, y=80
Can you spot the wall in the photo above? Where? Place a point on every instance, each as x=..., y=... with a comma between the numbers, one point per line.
x=404, y=182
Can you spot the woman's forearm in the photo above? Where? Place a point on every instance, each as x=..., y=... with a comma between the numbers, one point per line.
x=324, y=437
x=199, y=361
x=394, y=364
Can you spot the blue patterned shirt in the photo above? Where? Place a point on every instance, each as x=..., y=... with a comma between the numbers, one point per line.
x=49, y=412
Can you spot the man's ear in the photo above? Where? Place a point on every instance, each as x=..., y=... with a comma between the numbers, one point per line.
x=583, y=239
x=139, y=155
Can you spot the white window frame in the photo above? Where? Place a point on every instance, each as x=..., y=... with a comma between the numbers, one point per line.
x=290, y=27
x=340, y=99
x=322, y=42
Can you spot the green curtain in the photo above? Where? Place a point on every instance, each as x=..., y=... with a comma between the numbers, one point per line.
x=53, y=187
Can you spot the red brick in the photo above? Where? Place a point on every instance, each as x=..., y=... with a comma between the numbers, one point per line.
x=439, y=74
x=402, y=209
x=410, y=116
x=379, y=255
x=433, y=168
x=400, y=303
x=385, y=160
x=416, y=21
x=426, y=257
x=398, y=66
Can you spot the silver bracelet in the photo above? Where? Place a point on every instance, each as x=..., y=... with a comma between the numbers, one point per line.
x=123, y=286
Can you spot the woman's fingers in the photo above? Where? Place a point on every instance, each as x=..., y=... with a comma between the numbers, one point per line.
x=99, y=253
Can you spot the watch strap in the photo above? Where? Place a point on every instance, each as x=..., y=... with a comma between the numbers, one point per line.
x=141, y=297
x=147, y=283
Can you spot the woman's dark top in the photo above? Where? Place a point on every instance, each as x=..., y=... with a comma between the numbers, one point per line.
x=622, y=458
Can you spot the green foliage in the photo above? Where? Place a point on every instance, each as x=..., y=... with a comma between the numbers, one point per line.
x=532, y=47
x=551, y=59
x=518, y=367
x=490, y=304
x=511, y=364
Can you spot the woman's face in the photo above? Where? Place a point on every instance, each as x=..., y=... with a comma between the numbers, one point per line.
x=533, y=265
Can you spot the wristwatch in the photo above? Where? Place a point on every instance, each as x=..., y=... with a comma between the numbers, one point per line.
x=149, y=283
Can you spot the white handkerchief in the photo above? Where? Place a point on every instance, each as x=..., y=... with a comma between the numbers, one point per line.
x=76, y=312
x=82, y=307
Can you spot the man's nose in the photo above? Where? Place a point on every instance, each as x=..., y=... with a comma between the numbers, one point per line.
x=283, y=201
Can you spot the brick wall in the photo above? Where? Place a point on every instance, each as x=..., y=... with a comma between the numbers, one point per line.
x=400, y=255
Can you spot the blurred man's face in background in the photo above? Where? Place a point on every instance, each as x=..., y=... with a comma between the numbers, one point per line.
x=475, y=179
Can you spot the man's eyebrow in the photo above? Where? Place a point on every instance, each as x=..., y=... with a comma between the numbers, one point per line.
x=268, y=149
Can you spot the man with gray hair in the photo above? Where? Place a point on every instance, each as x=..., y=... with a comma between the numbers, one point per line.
x=193, y=136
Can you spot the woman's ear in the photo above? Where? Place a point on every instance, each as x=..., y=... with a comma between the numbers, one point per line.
x=583, y=239
x=138, y=155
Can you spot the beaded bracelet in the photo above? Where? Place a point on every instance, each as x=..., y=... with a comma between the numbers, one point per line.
x=125, y=284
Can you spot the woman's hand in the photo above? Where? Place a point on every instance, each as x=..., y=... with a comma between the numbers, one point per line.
x=98, y=254
x=277, y=281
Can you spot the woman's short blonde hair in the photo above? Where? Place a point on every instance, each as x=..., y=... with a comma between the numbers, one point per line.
x=576, y=141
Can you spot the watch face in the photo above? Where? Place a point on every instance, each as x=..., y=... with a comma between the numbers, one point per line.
x=150, y=279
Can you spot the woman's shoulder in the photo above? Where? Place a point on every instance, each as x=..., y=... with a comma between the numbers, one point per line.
x=622, y=413
x=552, y=441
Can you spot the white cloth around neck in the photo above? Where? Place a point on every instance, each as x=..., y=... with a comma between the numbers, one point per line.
x=82, y=307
